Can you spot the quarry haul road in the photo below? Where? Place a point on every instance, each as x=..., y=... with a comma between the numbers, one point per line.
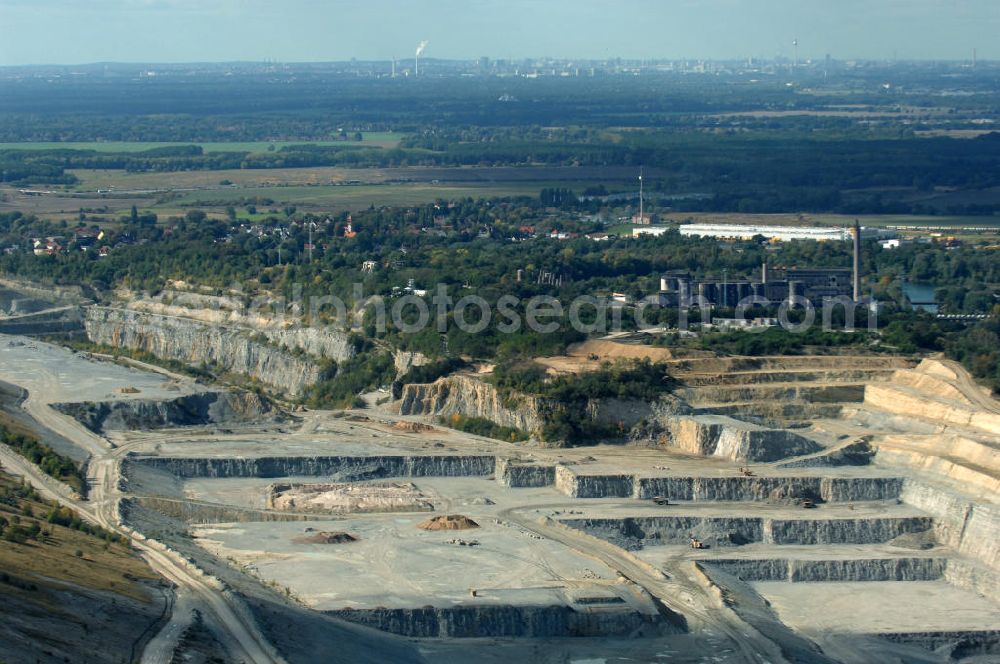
x=678, y=594
x=237, y=632
x=160, y=649
x=968, y=386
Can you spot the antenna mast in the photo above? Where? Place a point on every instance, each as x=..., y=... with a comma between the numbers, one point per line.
x=642, y=219
x=312, y=224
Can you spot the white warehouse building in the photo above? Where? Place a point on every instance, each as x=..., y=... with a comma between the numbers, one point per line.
x=782, y=233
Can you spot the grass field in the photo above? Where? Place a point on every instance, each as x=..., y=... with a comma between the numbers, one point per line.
x=332, y=188
x=335, y=189
x=354, y=197
x=97, y=566
x=373, y=139
x=93, y=180
x=576, y=178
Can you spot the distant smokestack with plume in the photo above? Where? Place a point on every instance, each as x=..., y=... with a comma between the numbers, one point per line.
x=416, y=61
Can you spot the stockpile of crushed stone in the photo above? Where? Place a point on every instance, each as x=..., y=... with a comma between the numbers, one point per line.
x=450, y=522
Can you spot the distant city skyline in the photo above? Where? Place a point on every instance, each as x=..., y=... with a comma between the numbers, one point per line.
x=70, y=32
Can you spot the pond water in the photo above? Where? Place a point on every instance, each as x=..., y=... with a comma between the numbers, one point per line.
x=921, y=296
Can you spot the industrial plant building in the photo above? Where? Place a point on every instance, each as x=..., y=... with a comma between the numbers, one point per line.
x=774, y=286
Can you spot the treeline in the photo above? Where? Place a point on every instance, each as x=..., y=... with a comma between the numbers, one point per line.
x=566, y=419
x=49, y=166
x=470, y=252
x=301, y=102
x=28, y=512
x=345, y=382
x=479, y=426
x=643, y=380
x=16, y=170
x=310, y=106
x=779, y=341
x=975, y=344
x=215, y=252
x=51, y=462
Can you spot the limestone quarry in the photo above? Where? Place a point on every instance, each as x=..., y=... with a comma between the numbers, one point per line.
x=800, y=509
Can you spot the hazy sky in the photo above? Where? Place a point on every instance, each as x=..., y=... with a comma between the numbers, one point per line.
x=80, y=31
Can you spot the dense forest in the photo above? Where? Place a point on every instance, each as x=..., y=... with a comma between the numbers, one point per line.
x=213, y=103
x=477, y=248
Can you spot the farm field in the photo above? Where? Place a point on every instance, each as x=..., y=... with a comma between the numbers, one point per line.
x=321, y=197
x=353, y=197
x=118, y=180
x=373, y=139
x=566, y=176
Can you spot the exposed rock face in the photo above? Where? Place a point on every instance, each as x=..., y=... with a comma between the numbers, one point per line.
x=14, y=303
x=60, y=321
x=857, y=489
x=191, y=410
x=906, y=400
x=970, y=576
x=406, y=360
x=291, y=332
x=961, y=645
x=464, y=395
x=636, y=532
x=718, y=435
x=948, y=457
x=823, y=571
x=320, y=342
x=256, y=353
x=842, y=531
x=500, y=621
x=577, y=485
x=672, y=488
x=931, y=377
x=577, y=482
x=632, y=533
x=190, y=511
x=879, y=569
x=342, y=468
x=625, y=413
x=769, y=364
x=972, y=529
x=758, y=489
x=778, y=393
x=522, y=475
x=50, y=294
x=28, y=309
x=472, y=397
x=860, y=453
